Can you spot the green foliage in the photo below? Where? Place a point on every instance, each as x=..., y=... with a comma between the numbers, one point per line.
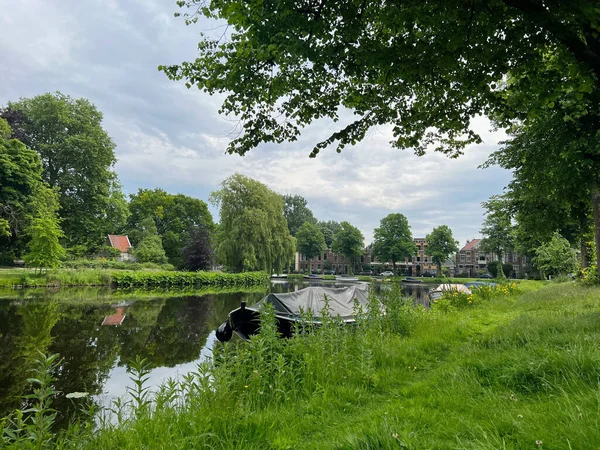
x=296, y=213
x=153, y=279
x=310, y=242
x=45, y=251
x=393, y=239
x=493, y=268
x=110, y=264
x=77, y=156
x=149, y=248
x=440, y=245
x=174, y=215
x=497, y=229
x=253, y=233
x=428, y=70
x=349, y=242
x=556, y=257
x=329, y=229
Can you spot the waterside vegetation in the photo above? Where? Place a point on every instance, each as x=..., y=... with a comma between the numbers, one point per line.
x=127, y=278
x=511, y=367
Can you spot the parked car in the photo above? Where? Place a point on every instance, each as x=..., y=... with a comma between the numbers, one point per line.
x=429, y=274
x=387, y=273
x=486, y=275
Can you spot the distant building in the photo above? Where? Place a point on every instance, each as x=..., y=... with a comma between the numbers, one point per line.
x=473, y=261
x=415, y=266
x=121, y=243
x=329, y=261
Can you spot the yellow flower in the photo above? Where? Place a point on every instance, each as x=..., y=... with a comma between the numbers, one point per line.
x=246, y=386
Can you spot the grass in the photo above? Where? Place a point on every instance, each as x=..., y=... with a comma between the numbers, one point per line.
x=517, y=368
x=123, y=278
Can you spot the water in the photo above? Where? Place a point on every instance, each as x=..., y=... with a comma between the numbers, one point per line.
x=97, y=332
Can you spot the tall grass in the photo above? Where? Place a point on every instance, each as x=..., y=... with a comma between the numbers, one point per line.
x=510, y=370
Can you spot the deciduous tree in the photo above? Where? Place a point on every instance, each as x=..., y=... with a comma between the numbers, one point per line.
x=149, y=248
x=555, y=257
x=497, y=230
x=393, y=239
x=45, y=251
x=329, y=228
x=440, y=245
x=296, y=212
x=253, y=233
x=309, y=240
x=174, y=214
x=77, y=156
x=349, y=242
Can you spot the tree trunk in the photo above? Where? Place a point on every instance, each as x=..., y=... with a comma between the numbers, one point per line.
x=501, y=275
x=584, y=256
x=596, y=208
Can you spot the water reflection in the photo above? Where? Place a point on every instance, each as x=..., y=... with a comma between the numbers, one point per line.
x=97, y=332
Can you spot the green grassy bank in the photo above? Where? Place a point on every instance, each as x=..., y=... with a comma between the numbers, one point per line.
x=127, y=278
x=517, y=367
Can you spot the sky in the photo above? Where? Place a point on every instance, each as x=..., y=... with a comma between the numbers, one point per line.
x=173, y=138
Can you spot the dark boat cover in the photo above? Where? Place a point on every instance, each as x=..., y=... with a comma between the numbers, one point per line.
x=341, y=300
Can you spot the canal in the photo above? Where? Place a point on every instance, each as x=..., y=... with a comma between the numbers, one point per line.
x=97, y=332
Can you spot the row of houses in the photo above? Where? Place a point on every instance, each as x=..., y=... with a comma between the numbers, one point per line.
x=469, y=261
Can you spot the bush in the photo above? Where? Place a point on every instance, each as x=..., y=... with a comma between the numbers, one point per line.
x=493, y=269
x=152, y=279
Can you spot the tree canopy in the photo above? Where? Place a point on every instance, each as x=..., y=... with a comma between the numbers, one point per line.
x=198, y=253
x=77, y=156
x=349, y=242
x=149, y=248
x=440, y=245
x=329, y=228
x=555, y=257
x=393, y=239
x=427, y=67
x=296, y=212
x=497, y=229
x=23, y=194
x=252, y=233
x=174, y=216
x=309, y=240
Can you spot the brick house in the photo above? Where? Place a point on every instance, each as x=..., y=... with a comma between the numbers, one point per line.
x=415, y=266
x=472, y=261
x=330, y=261
x=121, y=243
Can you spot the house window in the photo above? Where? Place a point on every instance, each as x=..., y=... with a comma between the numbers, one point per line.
x=418, y=259
x=514, y=257
x=462, y=257
x=426, y=259
x=319, y=257
x=335, y=257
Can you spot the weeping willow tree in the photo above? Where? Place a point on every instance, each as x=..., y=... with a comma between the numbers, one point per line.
x=253, y=232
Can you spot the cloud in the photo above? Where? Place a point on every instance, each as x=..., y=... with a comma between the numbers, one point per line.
x=171, y=137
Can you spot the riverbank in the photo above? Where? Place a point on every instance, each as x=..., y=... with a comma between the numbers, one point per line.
x=24, y=278
x=517, y=370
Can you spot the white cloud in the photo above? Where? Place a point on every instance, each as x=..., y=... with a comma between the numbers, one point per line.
x=171, y=137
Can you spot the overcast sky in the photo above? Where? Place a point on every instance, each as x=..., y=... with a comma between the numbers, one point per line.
x=170, y=137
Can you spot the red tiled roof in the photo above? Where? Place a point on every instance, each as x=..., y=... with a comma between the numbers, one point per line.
x=116, y=319
x=471, y=245
x=120, y=242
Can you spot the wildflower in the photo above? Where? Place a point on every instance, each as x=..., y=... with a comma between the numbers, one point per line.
x=520, y=416
x=395, y=435
x=539, y=443
x=246, y=387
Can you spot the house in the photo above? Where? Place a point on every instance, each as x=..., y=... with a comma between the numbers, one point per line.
x=328, y=260
x=121, y=243
x=415, y=266
x=472, y=261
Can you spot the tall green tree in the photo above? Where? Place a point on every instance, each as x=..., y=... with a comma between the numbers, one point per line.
x=349, y=241
x=440, y=245
x=77, y=156
x=149, y=248
x=296, y=212
x=253, y=233
x=310, y=241
x=393, y=239
x=497, y=230
x=329, y=229
x=45, y=251
x=553, y=179
x=174, y=214
x=426, y=68
x=555, y=257
x=23, y=195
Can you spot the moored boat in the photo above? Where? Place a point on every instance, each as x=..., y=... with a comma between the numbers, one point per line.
x=343, y=278
x=411, y=280
x=312, y=276
x=436, y=293
x=279, y=275
x=292, y=308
